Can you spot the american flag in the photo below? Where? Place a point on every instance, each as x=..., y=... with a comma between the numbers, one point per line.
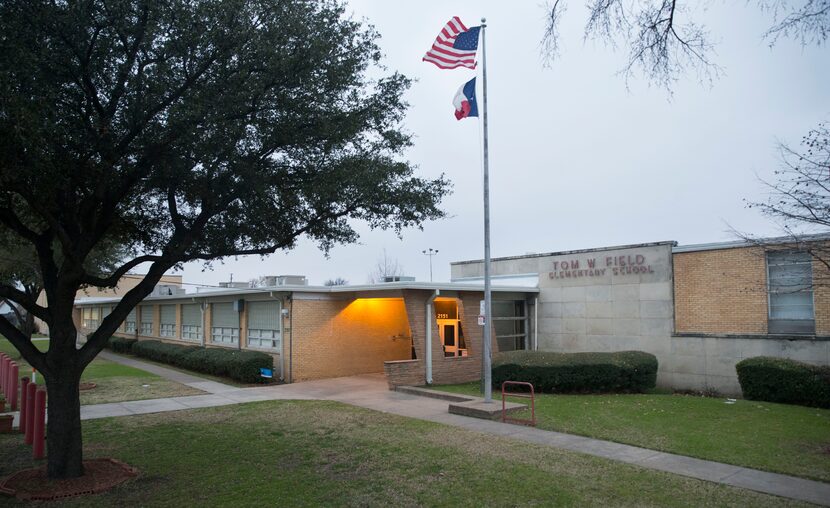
x=455, y=46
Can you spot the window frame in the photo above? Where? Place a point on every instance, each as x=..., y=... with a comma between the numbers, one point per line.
x=276, y=335
x=777, y=326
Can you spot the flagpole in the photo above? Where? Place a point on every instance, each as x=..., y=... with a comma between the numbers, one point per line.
x=487, y=339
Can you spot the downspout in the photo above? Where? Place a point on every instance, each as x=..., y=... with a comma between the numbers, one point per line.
x=428, y=346
x=291, y=340
x=282, y=336
x=202, y=307
x=536, y=324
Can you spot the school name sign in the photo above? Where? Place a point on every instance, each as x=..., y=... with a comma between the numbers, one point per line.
x=600, y=267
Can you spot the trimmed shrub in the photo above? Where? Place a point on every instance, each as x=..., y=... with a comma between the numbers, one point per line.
x=783, y=380
x=242, y=366
x=163, y=352
x=621, y=372
x=245, y=366
x=121, y=344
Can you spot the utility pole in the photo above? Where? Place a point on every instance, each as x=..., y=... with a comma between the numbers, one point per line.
x=430, y=252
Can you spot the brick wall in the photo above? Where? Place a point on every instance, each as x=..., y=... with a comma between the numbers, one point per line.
x=453, y=369
x=821, y=297
x=333, y=338
x=404, y=373
x=721, y=291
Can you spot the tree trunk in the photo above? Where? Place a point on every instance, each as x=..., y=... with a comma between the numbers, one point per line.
x=63, y=434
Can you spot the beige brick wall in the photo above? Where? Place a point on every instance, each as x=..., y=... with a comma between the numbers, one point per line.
x=453, y=369
x=720, y=291
x=404, y=373
x=821, y=297
x=333, y=338
x=725, y=292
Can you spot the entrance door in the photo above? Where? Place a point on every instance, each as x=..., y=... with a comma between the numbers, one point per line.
x=448, y=329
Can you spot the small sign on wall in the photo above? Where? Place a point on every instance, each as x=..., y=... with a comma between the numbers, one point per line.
x=481, y=321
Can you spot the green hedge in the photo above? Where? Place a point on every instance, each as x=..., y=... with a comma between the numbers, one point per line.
x=624, y=371
x=239, y=365
x=121, y=344
x=783, y=380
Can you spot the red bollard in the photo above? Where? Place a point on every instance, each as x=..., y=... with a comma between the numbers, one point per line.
x=7, y=367
x=14, y=381
x=39, y=434
x=30, y=413
x=3, y=364
x=23, y=384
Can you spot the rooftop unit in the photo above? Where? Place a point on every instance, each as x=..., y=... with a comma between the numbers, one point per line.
x=398, y=278
x=167, y=290
x=234, y=285
x=285, y=280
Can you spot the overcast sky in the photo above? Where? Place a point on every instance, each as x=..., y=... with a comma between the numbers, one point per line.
x=576, y=159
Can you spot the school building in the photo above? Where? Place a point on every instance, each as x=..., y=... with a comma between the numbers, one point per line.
x=416, y=333
x=699, y=308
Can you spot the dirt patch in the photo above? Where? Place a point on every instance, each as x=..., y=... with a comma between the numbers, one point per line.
x=99, y=475
x=86, y=386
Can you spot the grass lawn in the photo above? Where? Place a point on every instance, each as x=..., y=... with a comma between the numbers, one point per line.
x=774, y=437
x=312, y=453
x=115, y=382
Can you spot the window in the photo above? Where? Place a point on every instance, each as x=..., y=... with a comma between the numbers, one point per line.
x=191, y=332
x=264, y=325
x=225, y=325
x=226, y=335
x=790, y=285
x=509, y=323
x=146, y=325
x=167, y=320
x=91, y=318
x=129, y=323
x=192, y=322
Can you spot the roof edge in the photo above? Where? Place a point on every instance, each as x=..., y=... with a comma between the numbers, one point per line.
x=566, y=252
x=754, y=242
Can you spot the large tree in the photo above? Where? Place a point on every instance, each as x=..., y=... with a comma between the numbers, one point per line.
x=190, y=131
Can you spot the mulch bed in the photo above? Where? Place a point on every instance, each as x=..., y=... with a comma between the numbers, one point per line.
x=99, y=475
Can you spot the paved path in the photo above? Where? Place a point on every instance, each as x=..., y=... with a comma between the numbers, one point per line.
x=167, y=373
x=370, y=391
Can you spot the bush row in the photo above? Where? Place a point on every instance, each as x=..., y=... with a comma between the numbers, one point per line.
x=121, y=344
x=783, y=380
x=625, y=371
x=239, y=365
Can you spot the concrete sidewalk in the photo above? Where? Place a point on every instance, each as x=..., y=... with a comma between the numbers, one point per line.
x=371, y=392
x=167, y=373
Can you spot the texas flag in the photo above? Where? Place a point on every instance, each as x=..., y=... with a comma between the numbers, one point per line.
x=465, y=100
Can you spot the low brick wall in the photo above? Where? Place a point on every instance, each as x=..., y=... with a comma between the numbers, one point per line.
x=404, y=373
x=450, y=371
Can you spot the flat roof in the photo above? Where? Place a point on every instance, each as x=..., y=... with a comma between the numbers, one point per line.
x=567, y=252
x=383, y=286
x=755, y=242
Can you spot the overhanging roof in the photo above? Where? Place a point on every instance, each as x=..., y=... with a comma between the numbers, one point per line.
x=385, y=286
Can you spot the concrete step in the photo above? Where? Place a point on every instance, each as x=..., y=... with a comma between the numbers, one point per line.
x=477, y=408
x=434, y=394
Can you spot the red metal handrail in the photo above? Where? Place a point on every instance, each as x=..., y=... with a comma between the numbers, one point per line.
x=532, y=397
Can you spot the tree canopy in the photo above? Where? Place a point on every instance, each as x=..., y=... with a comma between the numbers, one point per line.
x=663, y=40
x=187, y=131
